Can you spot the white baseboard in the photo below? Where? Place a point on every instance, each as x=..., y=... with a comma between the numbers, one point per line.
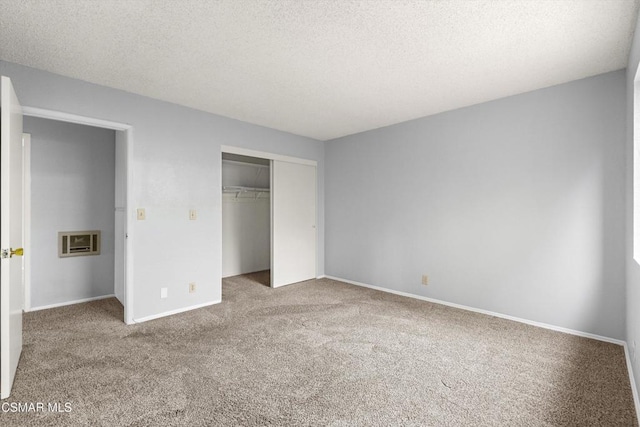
x=634, y=389
x=62, y=304
x=176, y=311
x=487, y=312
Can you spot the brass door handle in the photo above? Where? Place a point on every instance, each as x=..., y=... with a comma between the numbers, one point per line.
x=17, y=252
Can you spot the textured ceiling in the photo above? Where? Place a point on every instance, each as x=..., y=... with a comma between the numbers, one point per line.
x=324, y=68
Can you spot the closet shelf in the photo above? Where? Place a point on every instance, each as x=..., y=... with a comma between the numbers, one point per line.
x=243, y=190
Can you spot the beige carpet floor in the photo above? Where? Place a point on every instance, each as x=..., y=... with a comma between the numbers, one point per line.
x=315, y=353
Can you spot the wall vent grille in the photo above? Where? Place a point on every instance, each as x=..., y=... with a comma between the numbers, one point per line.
x=78, y=243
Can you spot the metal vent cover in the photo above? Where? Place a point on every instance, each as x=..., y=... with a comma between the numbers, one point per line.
x=78, y=243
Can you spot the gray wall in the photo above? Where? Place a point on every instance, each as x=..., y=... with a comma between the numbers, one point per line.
x=176, y=167
x=633, y=269
x=514, y=206
x=72, y=189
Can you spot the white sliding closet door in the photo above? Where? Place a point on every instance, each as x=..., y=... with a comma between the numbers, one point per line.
x=293, y=228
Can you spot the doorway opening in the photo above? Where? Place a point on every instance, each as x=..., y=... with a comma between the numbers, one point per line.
x=76, y=172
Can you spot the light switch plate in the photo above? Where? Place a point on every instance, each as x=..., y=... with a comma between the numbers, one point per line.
x=141, y=215
x=193, y=214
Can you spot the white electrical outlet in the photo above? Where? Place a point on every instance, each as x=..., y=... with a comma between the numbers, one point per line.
x=164, y=292
x=425, y=279
x=192, y=287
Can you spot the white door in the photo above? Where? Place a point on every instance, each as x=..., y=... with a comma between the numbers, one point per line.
x=293, y=227
x=10, y=235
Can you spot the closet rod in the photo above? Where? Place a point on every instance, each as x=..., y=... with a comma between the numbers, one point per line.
x=240, y=190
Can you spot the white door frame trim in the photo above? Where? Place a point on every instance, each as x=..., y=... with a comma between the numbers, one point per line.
x=128, y=130
x=26, y=221
x=264, y=155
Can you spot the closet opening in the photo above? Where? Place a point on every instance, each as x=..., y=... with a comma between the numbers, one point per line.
x=269, y=216
x=246, y=218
